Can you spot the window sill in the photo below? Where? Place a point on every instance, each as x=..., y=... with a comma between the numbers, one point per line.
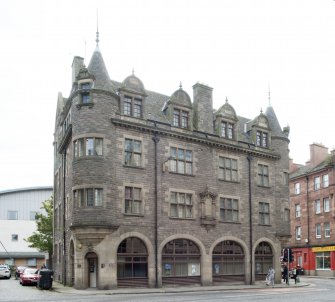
x=265, y=187
x=230, y=222
x=181, y=218
x=87, y=157
x=133, y=215
x=230, y=181
x=176, y=173
x=265, y=225
x=134, y=167
x=89, y=105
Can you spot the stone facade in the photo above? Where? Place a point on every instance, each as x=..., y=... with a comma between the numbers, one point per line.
x=154, y=190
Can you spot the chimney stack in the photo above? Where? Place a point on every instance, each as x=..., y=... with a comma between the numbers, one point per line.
x=78, y=62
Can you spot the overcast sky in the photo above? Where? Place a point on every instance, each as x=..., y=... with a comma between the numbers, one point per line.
x=240, y=48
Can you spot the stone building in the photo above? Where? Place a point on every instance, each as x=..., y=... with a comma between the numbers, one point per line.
x=154, y=190
x=313, y=212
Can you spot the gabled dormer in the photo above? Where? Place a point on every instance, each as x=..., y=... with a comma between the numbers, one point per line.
x=132, y=97
x=226, y=122
x=260, y=131
x=178, y=109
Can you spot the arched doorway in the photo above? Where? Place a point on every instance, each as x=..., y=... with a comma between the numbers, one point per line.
x=71, y=263
x=132, y=263
x=228, y=262
x=263, y=260
x=181, y=263
x=92, y=265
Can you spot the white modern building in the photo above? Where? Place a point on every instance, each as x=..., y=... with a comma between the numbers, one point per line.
x=18, y=208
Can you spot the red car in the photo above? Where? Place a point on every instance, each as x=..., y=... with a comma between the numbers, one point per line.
x=29, y=276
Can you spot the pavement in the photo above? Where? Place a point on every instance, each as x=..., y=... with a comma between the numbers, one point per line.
x=58, y=287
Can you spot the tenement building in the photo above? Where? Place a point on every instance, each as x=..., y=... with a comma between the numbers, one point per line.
x=155, y=190
x=313, y=212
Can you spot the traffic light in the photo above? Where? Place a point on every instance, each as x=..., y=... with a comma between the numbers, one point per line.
x=291, y=256
x=288, y=255
x=285, y=255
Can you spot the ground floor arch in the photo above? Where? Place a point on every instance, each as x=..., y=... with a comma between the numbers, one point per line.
x=264, y=255
x=132, y=263
x=181, y=263
x=228, y=262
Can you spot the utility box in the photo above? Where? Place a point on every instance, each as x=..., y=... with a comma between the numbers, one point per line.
x=45, y=279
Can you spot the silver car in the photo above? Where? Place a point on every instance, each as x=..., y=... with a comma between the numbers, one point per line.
x=5, y=271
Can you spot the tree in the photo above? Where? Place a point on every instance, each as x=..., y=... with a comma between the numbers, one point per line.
x=42, y=239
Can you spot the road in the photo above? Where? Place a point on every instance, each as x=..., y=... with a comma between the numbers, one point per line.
x=318, y=290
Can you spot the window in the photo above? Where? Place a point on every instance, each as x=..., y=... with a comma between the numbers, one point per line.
x=85, y=94
x=228, y=169
x=286, y=215
x=318, y=230
x=297, y=188
x=90, y=197
x=180, y=118
x=264, y=213
x=181, y=161
x=32, y=262
x=15, y=237
x=181, y=205
x=132, y=106
x=229, y=210
x=326, y=207
x=298, y=233
x=90, y=146
x=263, y=175
x=322, y=260
x=133, y=152
x=33, y=215
x=133, y=200
x=326, y=227
x=325, y=181
x=317, y=183
x=12, y=215
x=261, y=139
x=297, y=210
x=227, y=130
x=317, y=206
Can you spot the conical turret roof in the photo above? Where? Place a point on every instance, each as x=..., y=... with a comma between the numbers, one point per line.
x=98, y=69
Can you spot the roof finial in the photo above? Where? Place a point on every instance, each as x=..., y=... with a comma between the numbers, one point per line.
x=261, y=110
x=133, y=71
x=180, y=85
x=226, y=99
x=269, y=95
x=97, y=34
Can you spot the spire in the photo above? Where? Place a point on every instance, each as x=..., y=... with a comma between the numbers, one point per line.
x=269, y=95
x=97, y=33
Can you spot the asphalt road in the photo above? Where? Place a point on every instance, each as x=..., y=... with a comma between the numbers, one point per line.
x=318, y=290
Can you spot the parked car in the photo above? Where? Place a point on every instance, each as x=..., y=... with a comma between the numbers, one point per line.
x=19, y=271
x=29, y=276
x=5, y=271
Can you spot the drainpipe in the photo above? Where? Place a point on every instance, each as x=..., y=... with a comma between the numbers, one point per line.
x=64, y=208
x=156, y=140
x=249, y=157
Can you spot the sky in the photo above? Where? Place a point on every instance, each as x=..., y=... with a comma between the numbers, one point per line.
x=243, y=49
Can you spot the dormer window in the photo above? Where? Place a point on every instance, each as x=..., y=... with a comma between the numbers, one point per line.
x=262, y=139
x=227, y=130
x=180, y=118
x=132, y=106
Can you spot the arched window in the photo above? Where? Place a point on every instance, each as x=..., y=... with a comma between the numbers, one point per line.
x=263, y=260
x=228, y=262
x=181, y=262
x=132, y=263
